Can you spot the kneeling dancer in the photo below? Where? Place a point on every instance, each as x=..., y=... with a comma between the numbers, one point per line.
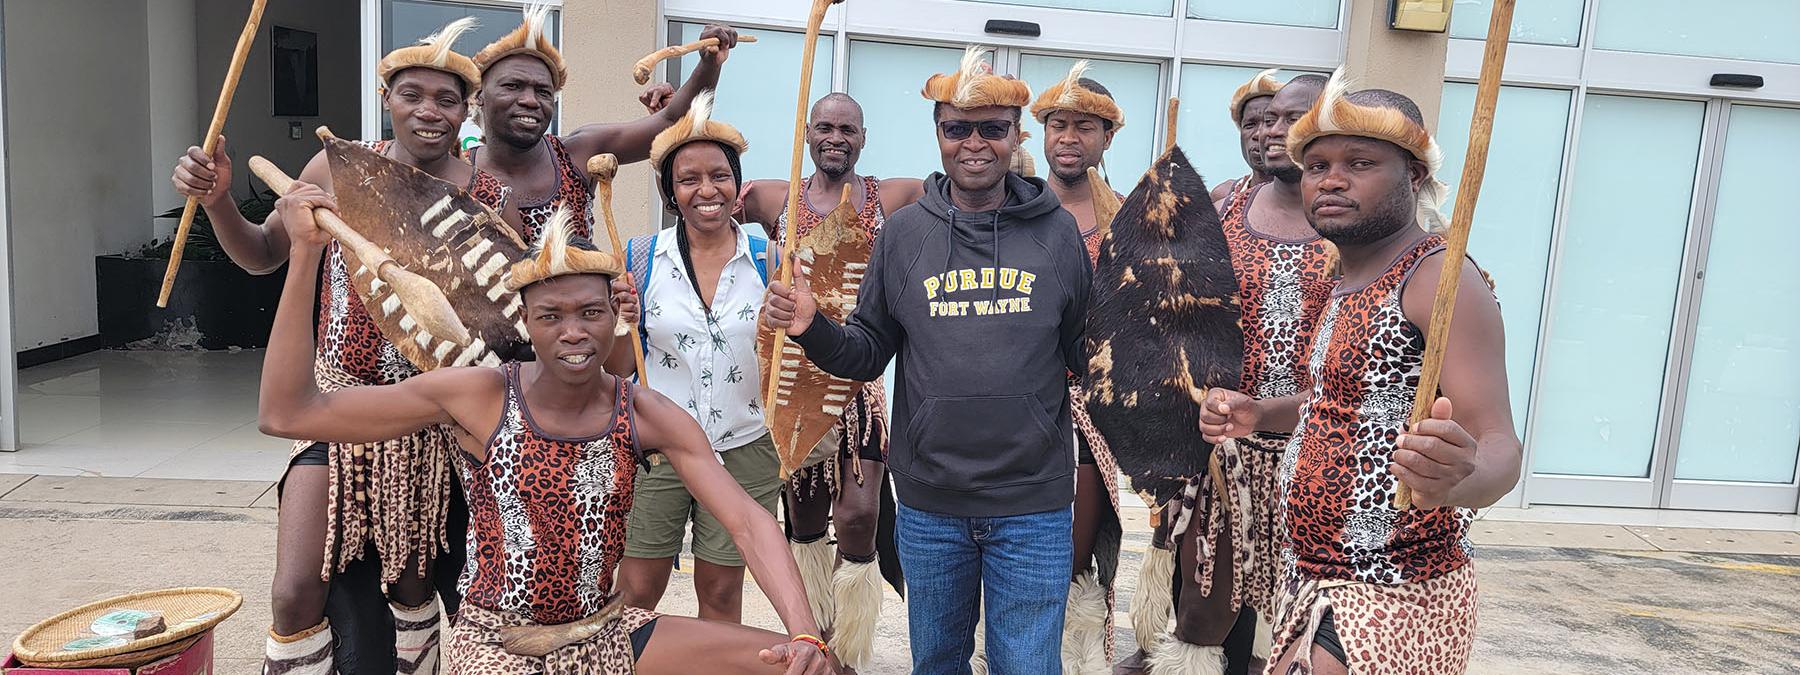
x=1373, y=588
x=548, y=452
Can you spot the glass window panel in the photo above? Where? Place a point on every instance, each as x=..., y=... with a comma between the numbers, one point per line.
x=1742, y=420
x=405, y=21
x=1135, y=86
x=886, y=79
x=1310, y=13
x=1203, y=129
x=1145, y=7
x=1545, y=22
x=1511, y=235
x=1615, y=296
x=1757, y=30
x=762, y=108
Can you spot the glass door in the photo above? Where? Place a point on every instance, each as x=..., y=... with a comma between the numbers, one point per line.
x=1597, y=426
x=1671, y=366
x=1739, y=422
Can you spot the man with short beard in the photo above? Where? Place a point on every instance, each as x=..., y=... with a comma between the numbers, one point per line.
x=522, y=75
x=981, y=290
x=1373, y=587
x=1247, y=106
x=1080, y=119
x=845, y=589
x=1283, y=272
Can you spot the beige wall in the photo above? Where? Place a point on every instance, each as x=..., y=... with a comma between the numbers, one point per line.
x=77, y=144
x=251, y=128
x=601, y=41
x=175, y=121
x=1408, y=62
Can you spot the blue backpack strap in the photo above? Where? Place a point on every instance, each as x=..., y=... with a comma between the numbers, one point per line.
x=759, y=254
x=640, y=254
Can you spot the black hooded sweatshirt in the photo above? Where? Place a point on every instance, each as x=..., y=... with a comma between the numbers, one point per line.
x=986, y=311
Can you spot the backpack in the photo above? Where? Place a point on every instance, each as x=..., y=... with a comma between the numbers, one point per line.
x=640, y=256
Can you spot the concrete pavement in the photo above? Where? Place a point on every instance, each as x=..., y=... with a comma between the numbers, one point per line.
x=1556, y=598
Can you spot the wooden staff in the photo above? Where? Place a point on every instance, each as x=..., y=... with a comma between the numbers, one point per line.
x=1456, y=241
x=1169, y=134
x=603, y=168
x=641, y=71
x=211, y=144
x=813, y=19
x=423, y=300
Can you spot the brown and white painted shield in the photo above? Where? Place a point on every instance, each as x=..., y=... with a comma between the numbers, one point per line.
x=434, y=229
x=1162, y=328
x=808, y=402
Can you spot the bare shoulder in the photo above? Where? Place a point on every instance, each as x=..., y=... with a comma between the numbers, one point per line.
x=897, y=193
x=660, y=421
x=1475, y=299
x=1221, y=191
x=763, y=200
x=317, y=171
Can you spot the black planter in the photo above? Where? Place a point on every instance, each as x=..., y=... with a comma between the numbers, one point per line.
x=226, y=306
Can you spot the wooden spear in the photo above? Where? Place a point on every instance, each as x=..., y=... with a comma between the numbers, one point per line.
x=211, y=144
x=603, y=168
x=1456, y=241
x=641, y=71
x=813, y=18
x=423, y=300
x=1169, y=134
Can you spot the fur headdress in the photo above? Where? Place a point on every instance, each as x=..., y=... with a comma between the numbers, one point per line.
x=975, y=85
x=556, y=257
x=1070, y=95
x=434, y=52
x=1335, y=115
x=696, y=125
x=528, y=38
x=1260, y=84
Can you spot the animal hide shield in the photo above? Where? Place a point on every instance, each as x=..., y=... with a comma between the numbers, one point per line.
x=436, y=230
x=808, y=402
x=1162, y=328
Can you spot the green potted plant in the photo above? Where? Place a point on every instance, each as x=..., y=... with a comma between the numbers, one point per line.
x=214, y=305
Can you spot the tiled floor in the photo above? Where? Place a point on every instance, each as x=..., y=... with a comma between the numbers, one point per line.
x=145, y=414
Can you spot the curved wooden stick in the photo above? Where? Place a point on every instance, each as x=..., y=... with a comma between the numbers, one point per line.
x=1456, y=241
x=423, y=300
x=813, y=19
x=603, y=168
x=641, y=71
x=211, y=143
x=1169, y=134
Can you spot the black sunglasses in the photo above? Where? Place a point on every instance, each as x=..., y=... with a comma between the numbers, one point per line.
x=993, y=130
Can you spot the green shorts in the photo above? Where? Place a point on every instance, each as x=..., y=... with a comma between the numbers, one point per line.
x=662, y=506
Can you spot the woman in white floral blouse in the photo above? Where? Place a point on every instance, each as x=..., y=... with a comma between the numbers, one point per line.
x=702, y=283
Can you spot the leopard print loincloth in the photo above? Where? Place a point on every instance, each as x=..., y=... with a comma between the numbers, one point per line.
x=1419, y=628
x=475, y=649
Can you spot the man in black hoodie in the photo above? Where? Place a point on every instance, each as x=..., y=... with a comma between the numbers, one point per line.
x=981, y=289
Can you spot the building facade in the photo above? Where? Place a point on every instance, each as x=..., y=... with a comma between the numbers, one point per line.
x=1631, y=215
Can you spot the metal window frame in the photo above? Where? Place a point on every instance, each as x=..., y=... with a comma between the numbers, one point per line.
x=370, y=48
x=9, y=361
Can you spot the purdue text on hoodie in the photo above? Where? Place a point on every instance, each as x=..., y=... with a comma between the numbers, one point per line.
x=986, y=311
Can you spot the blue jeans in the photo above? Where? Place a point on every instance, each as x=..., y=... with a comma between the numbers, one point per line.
x=1018, y=566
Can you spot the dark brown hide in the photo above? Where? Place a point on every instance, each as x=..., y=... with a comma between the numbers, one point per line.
x=436, y=230
x=1162, y=328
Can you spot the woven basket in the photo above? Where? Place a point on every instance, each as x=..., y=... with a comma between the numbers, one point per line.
x=187, y=611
